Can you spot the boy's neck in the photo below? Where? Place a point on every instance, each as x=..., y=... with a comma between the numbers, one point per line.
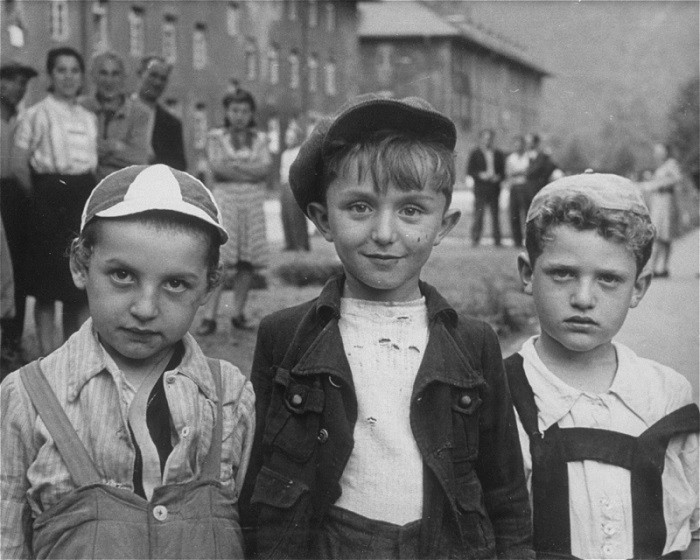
x=592, y=371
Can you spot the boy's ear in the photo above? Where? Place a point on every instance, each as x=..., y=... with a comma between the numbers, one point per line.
x=78, y=272
x=449, y=220
x=318, y=213
x=525, y=272
x=641, y=285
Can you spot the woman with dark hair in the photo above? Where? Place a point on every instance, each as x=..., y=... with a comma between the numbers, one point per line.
x=240, y=162
x=54, y=158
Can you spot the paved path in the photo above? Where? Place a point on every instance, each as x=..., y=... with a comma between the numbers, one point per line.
x=664, y=326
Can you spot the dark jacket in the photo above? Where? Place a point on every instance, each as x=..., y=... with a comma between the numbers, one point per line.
x=475, y=500
x=477, y=164
x=167, y=142
x=538, y=173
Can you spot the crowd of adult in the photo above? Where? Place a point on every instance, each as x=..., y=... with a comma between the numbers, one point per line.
x=524, y=171
x=53, y=154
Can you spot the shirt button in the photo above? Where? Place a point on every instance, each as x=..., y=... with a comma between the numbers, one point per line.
x=185, y=431
x=296, y=400
x=609, y=529
x=322, y=435
x=465, y=401
x=607, y=550
x=160, y=513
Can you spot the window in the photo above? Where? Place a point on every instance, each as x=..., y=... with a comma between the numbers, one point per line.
x=251, y=60
x=313, y=13
x=331, y=78
x=100, y=28
x=137, y=36
x=59, y=20
x=313, y=73
x=15, y=27
x=199, y=46
x=292, y=14
x=233, y=19
x=273, y=65
x=170, y=38
x=201, y=126
x=294, y=70
x=330, y=17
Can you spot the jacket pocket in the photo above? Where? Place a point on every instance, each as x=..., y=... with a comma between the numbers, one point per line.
x=283, y=515
x=293, y=426
x=473, y=521
x=466, y=405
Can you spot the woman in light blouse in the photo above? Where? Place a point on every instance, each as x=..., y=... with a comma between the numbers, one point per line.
x=55, y=157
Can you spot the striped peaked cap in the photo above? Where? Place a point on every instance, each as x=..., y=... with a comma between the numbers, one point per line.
x=140, y=188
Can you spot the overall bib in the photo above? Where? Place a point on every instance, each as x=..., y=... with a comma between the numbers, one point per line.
x=195, y=519
x=644, y=456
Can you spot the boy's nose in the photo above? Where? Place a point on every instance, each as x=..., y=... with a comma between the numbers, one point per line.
x=583, y=296
x=145, y=307
x=384, y=231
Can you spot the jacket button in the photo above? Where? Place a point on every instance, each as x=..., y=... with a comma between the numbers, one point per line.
x=465, y=401
x=296, y=400
x=160, y=513
x=322, y=435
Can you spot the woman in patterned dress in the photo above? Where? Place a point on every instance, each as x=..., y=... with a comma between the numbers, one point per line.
x=240, y=162
x=54, y=158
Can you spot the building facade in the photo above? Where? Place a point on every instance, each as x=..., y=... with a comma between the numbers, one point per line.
x=299, y=58
x=479, y=79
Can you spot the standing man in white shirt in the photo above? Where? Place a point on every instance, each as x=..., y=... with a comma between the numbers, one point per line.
x=516, y=168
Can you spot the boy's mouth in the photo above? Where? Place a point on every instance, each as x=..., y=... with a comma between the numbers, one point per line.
x=580, y=320
x=382, y=257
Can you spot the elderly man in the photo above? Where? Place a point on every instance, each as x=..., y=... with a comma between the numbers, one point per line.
x=166, y=129
x=14, y=204
x=123, y=122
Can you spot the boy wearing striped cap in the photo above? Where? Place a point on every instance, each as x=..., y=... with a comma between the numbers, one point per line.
x=609, y=439
x=127, y=442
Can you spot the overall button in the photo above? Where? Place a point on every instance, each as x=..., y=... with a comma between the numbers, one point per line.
x=465, y=401
x=170, y=379
x=322, y=435
x=296, y=400
x=160, y=513
x=185, y=431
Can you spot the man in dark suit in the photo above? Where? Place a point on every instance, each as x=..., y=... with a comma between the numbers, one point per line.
x=166, y=136
x=486, y=166
x=540, y=169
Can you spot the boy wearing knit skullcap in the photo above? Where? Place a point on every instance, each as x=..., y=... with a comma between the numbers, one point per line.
x=127, y=442
x=609, y=439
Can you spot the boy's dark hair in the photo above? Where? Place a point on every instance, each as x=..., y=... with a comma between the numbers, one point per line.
x=82, y=246
x=635, y=231
x=394, y=158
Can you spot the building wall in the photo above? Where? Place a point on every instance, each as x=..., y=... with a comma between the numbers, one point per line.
x=476, y=88
x=243, y=39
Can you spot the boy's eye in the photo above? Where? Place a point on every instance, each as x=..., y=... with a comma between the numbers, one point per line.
x=609, y=279
x=176, y=285
x=411, y=211
x=562, y=274
x=359, y=207
x=122, y=276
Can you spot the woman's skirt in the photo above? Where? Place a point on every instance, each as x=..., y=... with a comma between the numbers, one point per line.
x=243, y=215
x=57, y=205
x=663, y=215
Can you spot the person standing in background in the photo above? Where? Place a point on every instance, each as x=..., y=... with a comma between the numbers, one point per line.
x=14, y=205
x=166, y=139
x=54, y=159
x=516, y=168
x=296, y=233
x=240, y=162
x=486, y=166
x=663, y=206
x=123, y=123
x=540, y=170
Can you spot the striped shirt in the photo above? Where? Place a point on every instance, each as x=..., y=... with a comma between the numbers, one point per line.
x=60, y=137
x=96, y=397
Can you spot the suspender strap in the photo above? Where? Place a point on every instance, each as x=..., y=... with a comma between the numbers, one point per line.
x=69, y=445
x=523, y=397
x=647, y=491
x=211, y=469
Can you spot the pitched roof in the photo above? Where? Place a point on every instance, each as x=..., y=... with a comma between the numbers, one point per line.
x=393, y=20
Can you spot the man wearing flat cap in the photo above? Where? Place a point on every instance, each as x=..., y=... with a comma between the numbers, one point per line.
x=14, y=77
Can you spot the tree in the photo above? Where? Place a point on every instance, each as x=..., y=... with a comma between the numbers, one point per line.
x=684, y=127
